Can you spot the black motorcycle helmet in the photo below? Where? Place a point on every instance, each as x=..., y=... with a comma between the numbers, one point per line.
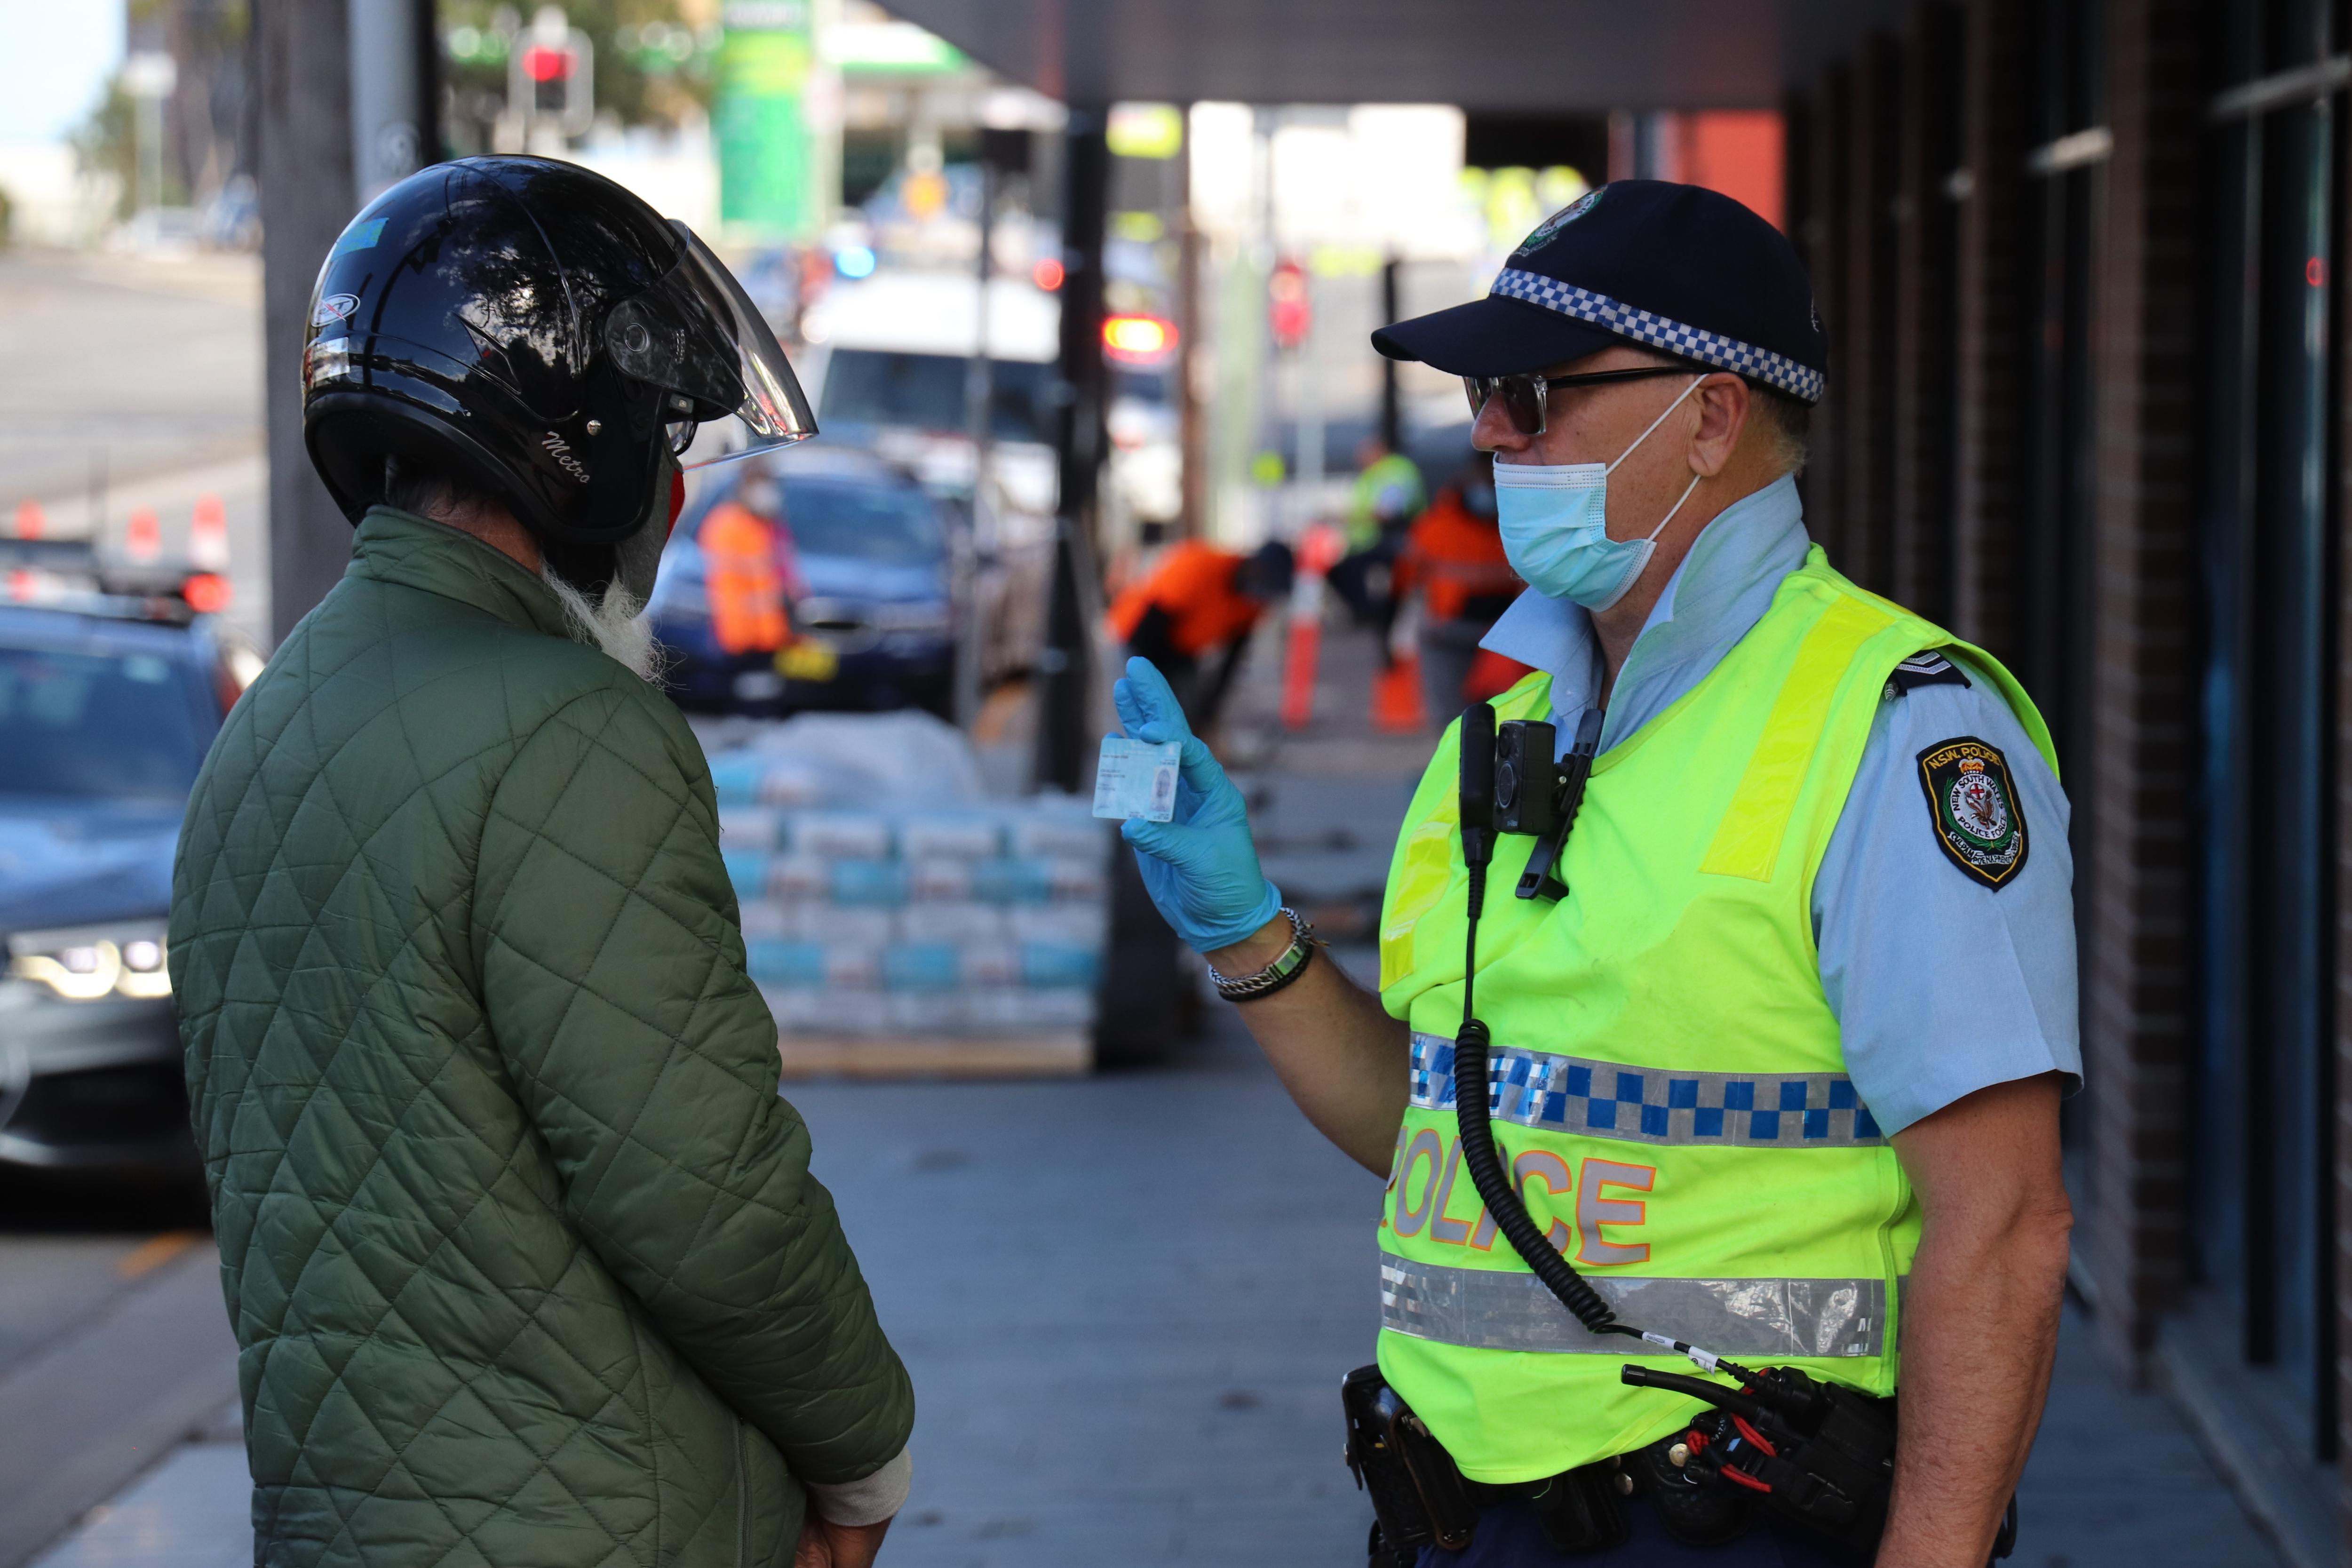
x=537, y=334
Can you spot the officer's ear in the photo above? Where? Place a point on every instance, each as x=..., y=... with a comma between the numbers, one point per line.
x=1726, y=410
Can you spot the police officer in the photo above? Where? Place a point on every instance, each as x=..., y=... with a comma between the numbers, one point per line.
x=1779, y=1073
x=1386, y=495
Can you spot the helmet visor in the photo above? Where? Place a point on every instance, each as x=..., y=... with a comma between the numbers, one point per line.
x=697, y=337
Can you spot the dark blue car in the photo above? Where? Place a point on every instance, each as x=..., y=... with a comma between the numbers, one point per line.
x=874, y=623
x=104, y=719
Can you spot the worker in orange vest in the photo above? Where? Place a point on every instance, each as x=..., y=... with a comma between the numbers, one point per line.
x=747, y=567
x=1194, y=602
x=1453, y=556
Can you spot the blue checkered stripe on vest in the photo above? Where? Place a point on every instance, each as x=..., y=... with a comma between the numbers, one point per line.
x=1652, y=1105
x=1661, y=331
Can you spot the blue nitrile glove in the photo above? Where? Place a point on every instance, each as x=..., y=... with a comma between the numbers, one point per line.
x=1200, y=868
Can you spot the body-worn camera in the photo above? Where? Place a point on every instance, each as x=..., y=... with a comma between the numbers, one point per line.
x=1526, y=781
x=1538, y=794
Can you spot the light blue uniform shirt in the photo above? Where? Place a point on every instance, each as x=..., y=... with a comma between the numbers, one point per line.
x=1941, y=985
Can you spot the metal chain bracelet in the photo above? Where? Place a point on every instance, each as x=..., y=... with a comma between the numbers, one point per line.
x=1277, y=974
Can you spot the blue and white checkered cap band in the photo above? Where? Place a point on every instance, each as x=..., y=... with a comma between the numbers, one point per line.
x=1659, y=331
x=1654, y=1105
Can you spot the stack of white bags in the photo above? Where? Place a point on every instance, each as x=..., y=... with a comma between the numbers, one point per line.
x=884, y=895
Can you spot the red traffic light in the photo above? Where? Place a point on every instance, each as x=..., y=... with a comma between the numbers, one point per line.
x=1138, y=340
x=1290, y=311
x=541, y=63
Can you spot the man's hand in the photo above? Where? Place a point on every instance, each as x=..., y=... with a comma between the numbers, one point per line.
x=1979, y=1316
x=1201, y=869
x=825, y=1545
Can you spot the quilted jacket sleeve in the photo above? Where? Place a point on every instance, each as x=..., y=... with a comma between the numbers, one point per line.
x=612, y=969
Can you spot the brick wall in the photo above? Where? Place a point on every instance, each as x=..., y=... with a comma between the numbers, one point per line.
x=1867, y=360
x=1822, y=240
x=2341, y=306
x=2138, y=952
x=1927, y=150
x=1989, y=349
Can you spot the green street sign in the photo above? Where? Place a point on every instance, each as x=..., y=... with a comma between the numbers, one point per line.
x=768, y=185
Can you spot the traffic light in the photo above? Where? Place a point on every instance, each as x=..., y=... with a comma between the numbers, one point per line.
x=1290, y=309
x=1144, y=342
x=552, y=75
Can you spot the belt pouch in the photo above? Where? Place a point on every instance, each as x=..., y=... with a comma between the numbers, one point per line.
x=1693, y=1514
x=1583, y=1510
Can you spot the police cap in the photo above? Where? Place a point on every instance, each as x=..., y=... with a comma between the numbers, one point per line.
x=1675, y=269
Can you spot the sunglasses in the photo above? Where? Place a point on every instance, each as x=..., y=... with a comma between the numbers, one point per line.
x=1525, y=396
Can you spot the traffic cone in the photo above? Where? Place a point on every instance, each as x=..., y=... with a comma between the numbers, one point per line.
x=1300, y=658
x=208, y=535
x=1397, y=705
x=1318, y=548
x=142, y=537
x=31, y=521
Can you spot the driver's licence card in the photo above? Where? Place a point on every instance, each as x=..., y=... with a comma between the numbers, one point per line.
x=1137, y=779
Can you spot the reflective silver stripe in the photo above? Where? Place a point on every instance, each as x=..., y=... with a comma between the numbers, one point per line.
x=1655, y=1105
x=1507, y=1309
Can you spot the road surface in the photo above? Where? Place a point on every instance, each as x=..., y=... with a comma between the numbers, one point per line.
x=135, y=383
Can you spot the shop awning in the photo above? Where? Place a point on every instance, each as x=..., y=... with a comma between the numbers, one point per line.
x=1490, y=55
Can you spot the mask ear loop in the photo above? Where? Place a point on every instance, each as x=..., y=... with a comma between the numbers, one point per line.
x=1649, y=544
x=1652, y=537
x=1645, y=435
x=1661, y=419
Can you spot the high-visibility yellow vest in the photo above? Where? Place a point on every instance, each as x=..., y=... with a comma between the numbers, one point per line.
x=1669, y=1091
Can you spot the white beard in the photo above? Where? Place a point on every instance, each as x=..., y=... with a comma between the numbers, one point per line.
x=617, y=623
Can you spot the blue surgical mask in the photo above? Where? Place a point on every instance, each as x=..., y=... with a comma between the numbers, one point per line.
x=1554, y=519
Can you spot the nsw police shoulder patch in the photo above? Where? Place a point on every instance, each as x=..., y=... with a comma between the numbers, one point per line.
x=1973, y=807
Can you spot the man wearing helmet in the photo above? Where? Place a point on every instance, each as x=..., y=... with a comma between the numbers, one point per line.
x=520, y=1245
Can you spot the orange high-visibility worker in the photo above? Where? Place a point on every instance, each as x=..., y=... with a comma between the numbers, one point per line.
x=1454, y=556
x=741, y=552
x=1197, y=600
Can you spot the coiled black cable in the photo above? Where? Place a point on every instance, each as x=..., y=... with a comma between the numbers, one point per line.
x=1472, y=1119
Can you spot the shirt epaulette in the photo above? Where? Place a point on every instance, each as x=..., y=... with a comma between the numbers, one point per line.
x=1927, y=669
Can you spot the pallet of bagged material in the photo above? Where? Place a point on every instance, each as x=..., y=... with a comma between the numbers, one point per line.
x=1066, y=1053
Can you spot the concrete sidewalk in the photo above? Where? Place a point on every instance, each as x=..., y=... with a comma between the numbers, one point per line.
x=132, y=1376
x=1127, y=1302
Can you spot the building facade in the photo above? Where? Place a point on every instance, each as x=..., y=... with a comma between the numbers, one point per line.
x=2078, y=259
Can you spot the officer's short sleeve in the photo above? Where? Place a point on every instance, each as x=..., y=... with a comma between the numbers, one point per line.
x=1949, y=969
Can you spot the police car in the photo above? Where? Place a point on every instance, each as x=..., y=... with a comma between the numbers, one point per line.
x=113, y=682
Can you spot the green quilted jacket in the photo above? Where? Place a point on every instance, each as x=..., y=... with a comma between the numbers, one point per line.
x=519, y=1243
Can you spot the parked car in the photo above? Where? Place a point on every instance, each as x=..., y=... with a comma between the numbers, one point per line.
x=889, y=366
x=869, y=595
x=108, y=704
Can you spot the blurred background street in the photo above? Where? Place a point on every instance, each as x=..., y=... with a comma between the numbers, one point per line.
x=1082, y=297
